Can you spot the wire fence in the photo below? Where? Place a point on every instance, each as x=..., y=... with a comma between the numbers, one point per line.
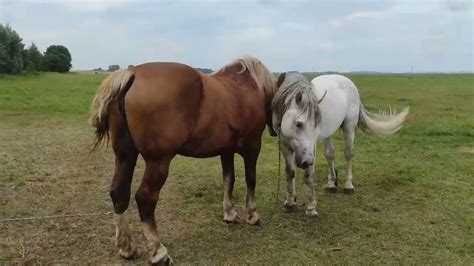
x=73, y=215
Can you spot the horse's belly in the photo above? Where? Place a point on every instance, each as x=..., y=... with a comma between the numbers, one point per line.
x=329, y=124
x=196, y=152
x=214, y=142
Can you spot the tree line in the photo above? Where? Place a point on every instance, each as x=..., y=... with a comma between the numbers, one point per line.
x=14, y=58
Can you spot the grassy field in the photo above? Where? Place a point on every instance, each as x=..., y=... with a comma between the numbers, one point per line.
x=414, y=201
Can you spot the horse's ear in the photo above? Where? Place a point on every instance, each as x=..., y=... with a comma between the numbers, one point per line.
x=298, y=97
x=281, y=78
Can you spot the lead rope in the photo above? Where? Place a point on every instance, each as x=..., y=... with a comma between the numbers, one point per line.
x=278, y=183
x=279, y=170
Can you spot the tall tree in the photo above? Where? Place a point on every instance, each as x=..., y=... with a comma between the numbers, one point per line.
x=34, y=58
x=57, y=59
x=11, y=50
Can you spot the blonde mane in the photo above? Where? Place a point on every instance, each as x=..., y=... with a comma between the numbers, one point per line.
x=259, y=73
x=296, y=83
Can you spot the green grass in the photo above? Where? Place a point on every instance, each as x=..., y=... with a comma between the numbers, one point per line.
x=414, y=201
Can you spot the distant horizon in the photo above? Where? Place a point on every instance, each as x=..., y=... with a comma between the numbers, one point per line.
x=324, y=71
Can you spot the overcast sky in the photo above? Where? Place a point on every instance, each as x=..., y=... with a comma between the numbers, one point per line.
x=286, y=35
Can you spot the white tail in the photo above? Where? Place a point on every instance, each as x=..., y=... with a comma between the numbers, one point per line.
x=382, y=124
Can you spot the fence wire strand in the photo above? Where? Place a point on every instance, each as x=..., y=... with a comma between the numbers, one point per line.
x=16, y=219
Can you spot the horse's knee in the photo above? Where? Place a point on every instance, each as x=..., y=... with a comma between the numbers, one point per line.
x=308, y=179
x=329, y=153
x=290, y=172
x=141, y=197
x=349, y=153
x=146, y=201
x=120, y=198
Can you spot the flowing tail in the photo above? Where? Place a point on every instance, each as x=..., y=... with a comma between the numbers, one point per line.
x=381, y=124
x=110, y=89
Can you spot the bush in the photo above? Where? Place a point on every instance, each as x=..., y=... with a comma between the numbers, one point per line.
x=56, y=59
x=114, y=68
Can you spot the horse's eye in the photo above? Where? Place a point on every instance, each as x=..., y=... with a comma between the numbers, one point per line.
x=299, y=124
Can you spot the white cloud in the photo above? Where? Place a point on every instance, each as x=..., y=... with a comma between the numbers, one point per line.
x=248, y=35
x=406, y=8
x=81, y=5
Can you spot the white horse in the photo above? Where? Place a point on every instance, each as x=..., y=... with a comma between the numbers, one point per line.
x=304, y=112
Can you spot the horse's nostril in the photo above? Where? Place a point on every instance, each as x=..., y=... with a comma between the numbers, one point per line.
x=307, y=164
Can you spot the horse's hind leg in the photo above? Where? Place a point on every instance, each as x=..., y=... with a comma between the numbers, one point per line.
x=125, y=160
x=120, y=194
x=156, y=172
x=349, y=132
x=331, y=186
x=230, y=215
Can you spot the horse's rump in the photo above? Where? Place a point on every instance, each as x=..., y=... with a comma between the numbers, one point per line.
x=162, y=106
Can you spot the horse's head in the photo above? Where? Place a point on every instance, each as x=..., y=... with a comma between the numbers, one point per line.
x=296, y=117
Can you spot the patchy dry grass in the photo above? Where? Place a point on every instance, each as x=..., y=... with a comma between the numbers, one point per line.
x=414, y=200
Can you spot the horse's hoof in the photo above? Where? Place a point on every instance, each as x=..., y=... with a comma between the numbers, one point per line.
x=235, y=221
x=290, y=208
x=331, y=189
x=349, y=191
x=131, y=255
x=161, y=256
x=258, y=223
x=164, y=261
x=312, y=218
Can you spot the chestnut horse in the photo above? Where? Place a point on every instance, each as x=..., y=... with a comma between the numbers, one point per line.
x=160, y=110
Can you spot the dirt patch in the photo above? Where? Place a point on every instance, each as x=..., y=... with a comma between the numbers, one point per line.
x=466, y=149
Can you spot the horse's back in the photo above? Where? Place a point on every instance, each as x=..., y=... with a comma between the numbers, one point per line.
x=340, y=104
x=167, y=74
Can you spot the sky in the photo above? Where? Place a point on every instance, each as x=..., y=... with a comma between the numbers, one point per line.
x=357, y=35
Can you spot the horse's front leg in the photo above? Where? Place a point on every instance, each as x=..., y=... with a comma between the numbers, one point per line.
x=230, y=215
x=290, y=202
x=311, y=212
x=250, y=161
